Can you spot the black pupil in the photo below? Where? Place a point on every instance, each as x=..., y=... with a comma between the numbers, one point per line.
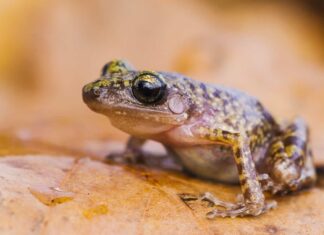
x=148, y=91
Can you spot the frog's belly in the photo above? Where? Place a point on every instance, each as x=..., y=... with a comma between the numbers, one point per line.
x=211, y=162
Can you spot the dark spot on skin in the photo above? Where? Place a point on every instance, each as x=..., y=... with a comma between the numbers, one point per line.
x=121, y=84
x=228, y=121
x=292, y=128
x=239, y=168
x=207, y=136
x=294, y=140
x=296, y=156
x=216, y=93
x=259, y=132
x=226, y=135
x=225, y=103
x=223, y=147
x=268, y=117
x=245, y=116
x=243, y=181
x=192, y=87
x=205, y=94
x=278, y=151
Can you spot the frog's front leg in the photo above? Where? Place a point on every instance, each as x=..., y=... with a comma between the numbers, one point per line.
x=135, y=154
x=132, y=152
x=253, y=202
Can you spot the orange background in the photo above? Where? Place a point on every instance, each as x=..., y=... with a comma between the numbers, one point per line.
x=50, y=49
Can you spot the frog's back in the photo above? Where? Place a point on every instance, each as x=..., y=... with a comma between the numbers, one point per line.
x=223, y=107
x=226, y=109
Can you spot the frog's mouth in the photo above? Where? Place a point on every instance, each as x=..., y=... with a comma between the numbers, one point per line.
x=140, y=114
x=140, y=122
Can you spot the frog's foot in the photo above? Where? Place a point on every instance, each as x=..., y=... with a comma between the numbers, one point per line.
x=266, y=182
x=128, y=156
x=240, y=208
x=208, y=197
x=268, y=185
x=135, y=156
x=214, y=201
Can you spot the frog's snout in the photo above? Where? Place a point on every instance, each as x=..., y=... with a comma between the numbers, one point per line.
x=90, y=93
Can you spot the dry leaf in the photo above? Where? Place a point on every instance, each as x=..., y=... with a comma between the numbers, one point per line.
x=44, y=194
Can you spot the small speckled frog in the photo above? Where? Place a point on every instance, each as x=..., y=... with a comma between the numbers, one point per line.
x=214, y=132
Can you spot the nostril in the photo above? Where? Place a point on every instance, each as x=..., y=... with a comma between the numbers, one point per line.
x=96, y=91
x=91, y=94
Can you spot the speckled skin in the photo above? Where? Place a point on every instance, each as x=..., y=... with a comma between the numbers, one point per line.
x=215, y=132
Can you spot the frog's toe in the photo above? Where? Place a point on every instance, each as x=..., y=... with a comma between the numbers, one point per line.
x=214, y=201
x=241, y=210
x=115, y=158
x=124, y=157
x=226, y=213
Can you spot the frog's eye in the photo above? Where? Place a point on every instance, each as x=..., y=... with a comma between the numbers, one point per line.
x=116, y=66
x=148, y=88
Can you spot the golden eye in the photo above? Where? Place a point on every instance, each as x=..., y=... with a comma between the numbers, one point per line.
x=148, y=88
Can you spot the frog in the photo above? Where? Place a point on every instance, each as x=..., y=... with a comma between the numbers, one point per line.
x=215, y=132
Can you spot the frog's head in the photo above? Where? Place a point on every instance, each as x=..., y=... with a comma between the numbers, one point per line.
x=141, y=103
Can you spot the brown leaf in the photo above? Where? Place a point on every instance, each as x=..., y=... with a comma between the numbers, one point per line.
x=42, y=193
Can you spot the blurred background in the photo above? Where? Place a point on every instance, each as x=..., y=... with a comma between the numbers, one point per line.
x=273, y=50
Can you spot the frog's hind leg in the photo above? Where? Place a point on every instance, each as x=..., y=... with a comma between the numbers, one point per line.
x=290, y=161
x=252, y=201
